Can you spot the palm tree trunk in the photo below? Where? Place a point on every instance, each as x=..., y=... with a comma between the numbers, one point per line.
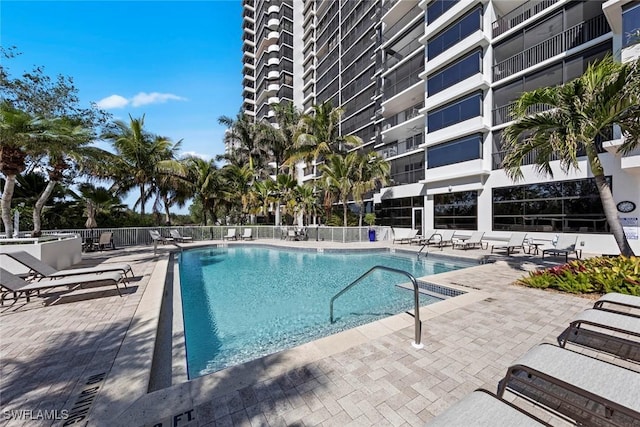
x=608, y=204
x=167, y=214
x=610, y=211
x=344, y=210
x=37, y=208
x=7, y=195
x=142, y=199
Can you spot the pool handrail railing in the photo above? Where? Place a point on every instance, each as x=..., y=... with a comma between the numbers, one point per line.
x=416, y=299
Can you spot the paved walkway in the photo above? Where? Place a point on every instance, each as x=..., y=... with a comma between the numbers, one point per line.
x=75, y=355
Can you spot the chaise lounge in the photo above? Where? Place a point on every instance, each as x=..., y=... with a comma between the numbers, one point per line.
x=10, y=283
x=40, y=270
x=516, y=241
x=474, y=241
x=613, y=300
x=565, y=245
x=175, y=234
x=247, y=234
x=404, y=235
x=231, y=234
x=580, y=387
x=157, y=237
x=594, y=328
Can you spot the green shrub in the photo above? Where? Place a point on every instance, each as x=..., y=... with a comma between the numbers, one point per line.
x=594, y=275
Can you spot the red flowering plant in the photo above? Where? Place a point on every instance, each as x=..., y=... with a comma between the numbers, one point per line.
x=593, y=275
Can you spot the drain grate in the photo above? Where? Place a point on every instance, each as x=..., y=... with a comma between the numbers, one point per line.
x=489, y=299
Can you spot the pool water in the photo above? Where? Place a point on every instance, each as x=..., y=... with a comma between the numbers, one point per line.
x=241, y=303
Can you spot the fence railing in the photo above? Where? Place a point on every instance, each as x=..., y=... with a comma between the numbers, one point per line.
x=519, y=15
x=136, y=236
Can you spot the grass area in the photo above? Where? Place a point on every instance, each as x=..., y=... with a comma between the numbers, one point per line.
x=594, y=275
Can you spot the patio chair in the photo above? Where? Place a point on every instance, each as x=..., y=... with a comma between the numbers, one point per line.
x=404, y=235
x=516, y=241
x=442, y=238
x=613, y=300
x=40, y=270
x=483, y=408
x=566, y=245
x=474, y=241
x=424, y=238
x=106, y=239
x=12, y=284
x=247, y=234
x=585, y=389
x=175, y=234
x=157, y=237
x=596, y=328
x=231, y=234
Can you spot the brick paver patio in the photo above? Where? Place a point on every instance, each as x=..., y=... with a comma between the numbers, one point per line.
x=49, y=354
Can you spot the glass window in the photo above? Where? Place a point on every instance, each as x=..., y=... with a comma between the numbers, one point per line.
x=631, y=25
x=455, y=33
x=398, y=212
x=562, y=206
x=454, y=73
x=437, y=8
x=543, y=31
x=460, y=150
x=456, y=210
x=459, y=111
x=508, y=48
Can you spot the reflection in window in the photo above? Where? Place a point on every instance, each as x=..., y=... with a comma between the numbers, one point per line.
x=459, y=111
x=456, y=210
x=631, y=25
x=458, y=71
x=458, y=31
x=398, y=212
x=561, y=206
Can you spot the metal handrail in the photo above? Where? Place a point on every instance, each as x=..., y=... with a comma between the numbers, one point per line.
x=416, y=298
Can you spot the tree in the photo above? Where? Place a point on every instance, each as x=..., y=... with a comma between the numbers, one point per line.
x=243, y=136
x=20, y=136
x=321, y=134
x=307, y=200
x=281, y=141
x=578, y=114
x=282, y=193
x=338, y=175
x=371, y=170
x=239, y=180
x=137, y=155
x=261, y=195
x=203, y=178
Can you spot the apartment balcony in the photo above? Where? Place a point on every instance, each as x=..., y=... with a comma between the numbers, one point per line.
x=394, y=10
x=273, y=100
x=409, y=121
x=506, y=113
x=555, y=45
x=274, y=74
x=457, y=130
x=273, y=23
x=409, y=177
x=391, y=30
x=394, y=57
x=518, y=15
x=401, y=146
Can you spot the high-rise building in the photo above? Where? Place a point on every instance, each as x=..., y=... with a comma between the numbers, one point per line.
x=431, y=85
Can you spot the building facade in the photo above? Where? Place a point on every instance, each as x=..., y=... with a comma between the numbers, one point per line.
x=431, y=85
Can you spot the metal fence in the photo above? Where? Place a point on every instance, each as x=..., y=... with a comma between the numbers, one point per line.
x=135, y=236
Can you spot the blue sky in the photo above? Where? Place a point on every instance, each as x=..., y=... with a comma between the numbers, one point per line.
x=177, y=62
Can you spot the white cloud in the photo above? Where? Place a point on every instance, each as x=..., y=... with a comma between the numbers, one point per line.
x=206, y=157
x=113, y=101
x=143, y=98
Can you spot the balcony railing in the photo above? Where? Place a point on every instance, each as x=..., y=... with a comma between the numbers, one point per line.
x=574, y=36
x=403, y=116
x=519, y=15
x=393, y=57
x=402, y=146
x=387, y=5
x=410, y=177
x=391, y=90
x=408, y=17
x=506, y=113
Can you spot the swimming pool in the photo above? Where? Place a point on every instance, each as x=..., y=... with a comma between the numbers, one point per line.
x=241, y=302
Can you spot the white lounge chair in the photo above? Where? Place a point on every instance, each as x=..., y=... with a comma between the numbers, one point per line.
x=614, y=300
x=516, y=241
x=231, y=234
x=442, y=238
x=424, y=238
x=482, y=408
x=472, y=242
x=157, y=237
x=39, y=269
x=591, y=391
x=404, y=235
x=247, y=234
x=566, y=245
x=175, y=234
x=12, y=284
x=595, y=329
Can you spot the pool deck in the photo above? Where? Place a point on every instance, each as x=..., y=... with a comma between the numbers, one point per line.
x=87, y=355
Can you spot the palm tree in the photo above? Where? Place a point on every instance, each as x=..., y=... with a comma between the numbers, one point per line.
x=261, y=195
x=579, y=112
x=281, y=140
x=243, y=133
x=20, y=136
x=99, y=199
x=321, y=134
x=203, y=178
x=307, y=200
x=239, y=180
x=138, y=153
x=338, y=175
x=371, y=170
x=284, y=186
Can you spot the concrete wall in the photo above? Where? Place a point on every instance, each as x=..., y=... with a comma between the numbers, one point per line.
x=60, y=254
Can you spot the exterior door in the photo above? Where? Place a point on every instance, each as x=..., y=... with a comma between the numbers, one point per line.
x=417, y=219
